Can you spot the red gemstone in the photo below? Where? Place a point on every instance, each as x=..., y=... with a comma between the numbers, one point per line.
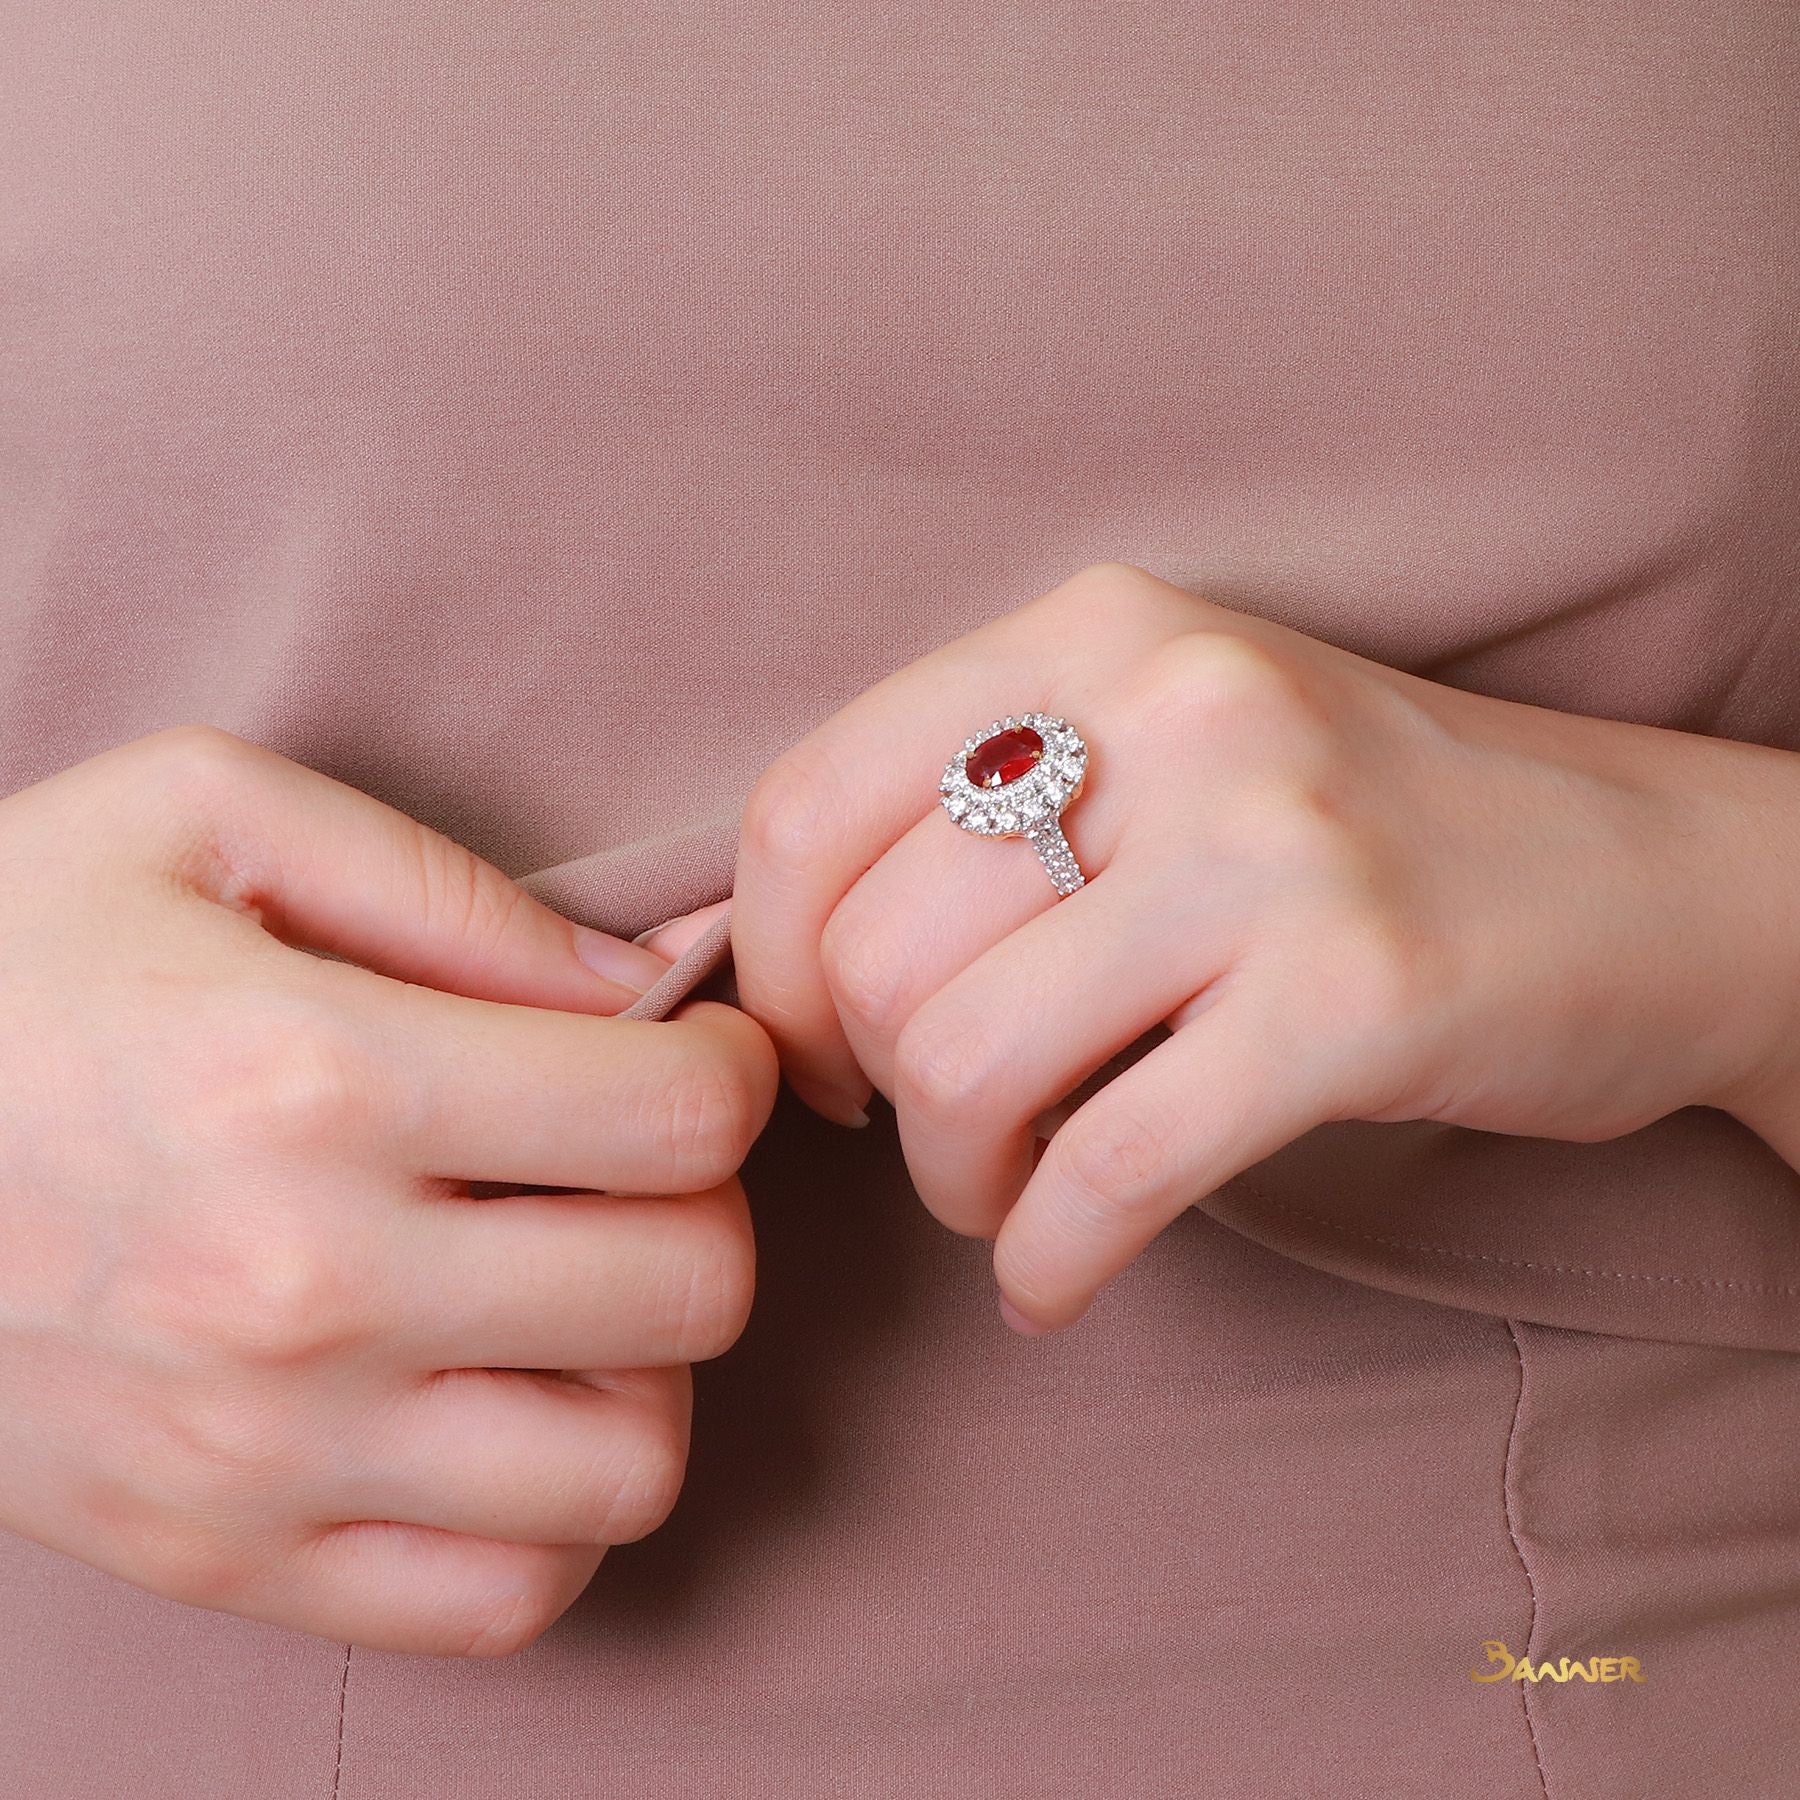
x=1005, y=757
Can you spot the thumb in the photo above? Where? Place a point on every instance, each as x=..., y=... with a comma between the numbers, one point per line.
x=324, y=866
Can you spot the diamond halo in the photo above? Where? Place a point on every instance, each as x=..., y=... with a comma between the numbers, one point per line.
x=1026, y=805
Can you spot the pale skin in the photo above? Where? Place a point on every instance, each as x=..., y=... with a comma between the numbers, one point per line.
x=1350, y=892
x=260, y=1349
x=262, y=1352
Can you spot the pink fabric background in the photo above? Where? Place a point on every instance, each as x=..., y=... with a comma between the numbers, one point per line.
x=538, y=415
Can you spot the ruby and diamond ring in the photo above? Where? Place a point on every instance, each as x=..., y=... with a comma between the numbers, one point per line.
x=1013, y=780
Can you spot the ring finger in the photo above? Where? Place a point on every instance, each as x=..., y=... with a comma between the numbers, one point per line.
x=564, y=1281
x=849, y=790
x=883, y=954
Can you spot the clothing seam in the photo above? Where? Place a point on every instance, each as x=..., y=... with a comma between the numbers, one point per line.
x=337, y=1767
x=1511, y=1262
x=1508, y=1510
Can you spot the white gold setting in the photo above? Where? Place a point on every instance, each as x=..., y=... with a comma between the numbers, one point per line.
x=1028, y=806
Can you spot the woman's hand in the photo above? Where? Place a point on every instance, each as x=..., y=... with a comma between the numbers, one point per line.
x=1351, y=892
x=259, y=1348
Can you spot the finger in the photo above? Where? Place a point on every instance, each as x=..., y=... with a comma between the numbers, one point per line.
x=1026, y=1023
x=566, y=1281
x=528, y=1456
x=417, y=1589
x=324, y=866
x=941, y=898
x=475, y=1090
x=824, y=812
x=1229, y=1088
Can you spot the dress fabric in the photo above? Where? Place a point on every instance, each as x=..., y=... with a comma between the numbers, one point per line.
x=540, y=415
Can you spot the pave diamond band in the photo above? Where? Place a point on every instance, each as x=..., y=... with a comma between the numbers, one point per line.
x=1013, y=779
x=1056, y=856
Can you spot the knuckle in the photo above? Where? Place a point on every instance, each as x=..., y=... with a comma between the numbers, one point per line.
x=1111, y=573
x=1382, y=972
x=705, y=1119
x=196, y=753
x=190, y=1562
x=264, y=1294
x=1112, y=1164
x=717, y=1285
x=1100, y=588
x=1110, y=579
x=282, y=1073
x=284, y=1303
x=518, y=1620
x=945, y=1067
x=1128, y=602
x=1220, y=679
x=180, y=786
x=791, y=812
x=862, y=970
x=647, y=1478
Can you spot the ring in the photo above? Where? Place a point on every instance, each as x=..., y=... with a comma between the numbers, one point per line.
x=1013, y=780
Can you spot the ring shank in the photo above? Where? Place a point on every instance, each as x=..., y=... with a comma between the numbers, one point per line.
x=1056, y=856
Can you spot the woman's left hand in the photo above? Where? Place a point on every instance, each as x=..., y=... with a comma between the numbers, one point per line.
x=1349, y=891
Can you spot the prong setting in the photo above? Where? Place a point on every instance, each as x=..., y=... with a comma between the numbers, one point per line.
x=1026, y=803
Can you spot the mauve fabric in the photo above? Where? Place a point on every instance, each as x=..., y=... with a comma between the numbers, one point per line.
x=539, y=415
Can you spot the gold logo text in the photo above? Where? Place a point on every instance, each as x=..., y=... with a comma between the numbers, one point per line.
x=1504, y=1666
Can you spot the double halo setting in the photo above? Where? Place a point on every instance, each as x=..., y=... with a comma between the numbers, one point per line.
x=1013, y=779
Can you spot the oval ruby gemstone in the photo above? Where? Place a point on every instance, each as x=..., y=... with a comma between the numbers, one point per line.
x=1004, y=757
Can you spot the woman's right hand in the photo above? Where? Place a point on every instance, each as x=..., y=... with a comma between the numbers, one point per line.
x=260, y=1350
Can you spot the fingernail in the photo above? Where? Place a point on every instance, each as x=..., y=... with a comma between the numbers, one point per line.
x=837, y=1104
x=687, y=925
x=855, y=1106
x=1017, y=1320
x=844, y=1109
x=623, y=964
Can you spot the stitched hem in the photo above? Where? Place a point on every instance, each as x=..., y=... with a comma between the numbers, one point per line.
x=1509, y=1510
x=1722, y=1283
x=337, y=1767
